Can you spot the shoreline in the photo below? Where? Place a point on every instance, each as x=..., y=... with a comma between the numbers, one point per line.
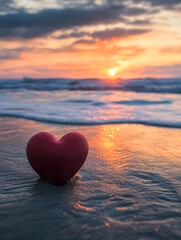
x=58, y=122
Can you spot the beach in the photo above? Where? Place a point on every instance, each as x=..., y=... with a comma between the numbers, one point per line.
x=90, y=72
x=128, y=188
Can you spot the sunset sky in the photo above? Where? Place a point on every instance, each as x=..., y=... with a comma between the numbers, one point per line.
x=90, y=38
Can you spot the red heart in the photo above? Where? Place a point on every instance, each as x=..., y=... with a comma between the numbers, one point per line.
x=57, y=160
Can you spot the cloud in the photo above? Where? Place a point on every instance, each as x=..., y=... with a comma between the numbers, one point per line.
x=117, y=33
x=171, y=50
x=31, y=25
x=28, y=25
x=6, y=5
x=140, y=22
x=84, y=41
x=108, y=34
x=168, y=4
x=168, y=70
x=10, y=53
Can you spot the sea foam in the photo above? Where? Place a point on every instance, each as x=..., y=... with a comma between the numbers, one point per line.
x=55, y=101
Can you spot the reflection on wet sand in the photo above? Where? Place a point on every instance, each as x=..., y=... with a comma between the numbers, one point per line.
x=110, y=146
x=130, y=182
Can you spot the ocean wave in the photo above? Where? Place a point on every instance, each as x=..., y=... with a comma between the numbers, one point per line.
x=91, y=122
x=140, y=102
x=159, y=85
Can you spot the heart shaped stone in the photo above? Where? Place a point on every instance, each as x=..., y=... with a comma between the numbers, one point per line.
x=57, y=160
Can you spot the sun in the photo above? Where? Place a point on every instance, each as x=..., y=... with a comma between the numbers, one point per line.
x=112, y=72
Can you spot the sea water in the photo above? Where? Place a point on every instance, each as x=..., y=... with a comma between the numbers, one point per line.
x=93, y=101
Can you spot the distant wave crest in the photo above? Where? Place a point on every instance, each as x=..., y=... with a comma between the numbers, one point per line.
x=169, y=85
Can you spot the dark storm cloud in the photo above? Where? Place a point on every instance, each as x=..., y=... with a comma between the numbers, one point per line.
x=31, y=25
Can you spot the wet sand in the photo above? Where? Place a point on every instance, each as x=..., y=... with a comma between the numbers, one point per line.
x=128, y=188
